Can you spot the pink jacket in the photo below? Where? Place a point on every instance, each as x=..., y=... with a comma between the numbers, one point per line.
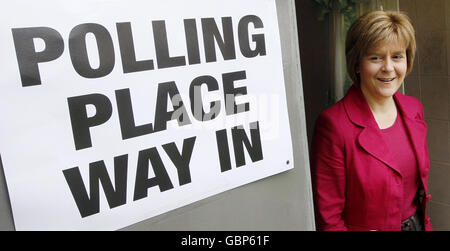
x=357, y=185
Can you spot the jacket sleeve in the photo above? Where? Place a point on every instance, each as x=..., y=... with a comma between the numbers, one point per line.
x=328, y=174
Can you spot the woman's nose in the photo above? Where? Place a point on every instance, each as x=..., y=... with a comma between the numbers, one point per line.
x=388, y=65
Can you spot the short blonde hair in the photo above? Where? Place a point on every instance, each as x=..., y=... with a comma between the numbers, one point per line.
x=374, y=27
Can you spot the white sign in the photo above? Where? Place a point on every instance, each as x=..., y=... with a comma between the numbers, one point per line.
x=116, y=111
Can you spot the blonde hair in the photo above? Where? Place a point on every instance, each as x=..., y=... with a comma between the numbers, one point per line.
x=375, y=27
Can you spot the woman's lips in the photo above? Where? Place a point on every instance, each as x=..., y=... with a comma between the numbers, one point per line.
x=386, y=80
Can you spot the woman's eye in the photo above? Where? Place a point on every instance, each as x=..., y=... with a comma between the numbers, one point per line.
x=374, y=58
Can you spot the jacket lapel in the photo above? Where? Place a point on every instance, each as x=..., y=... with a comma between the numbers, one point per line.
x=416, y=128
x=370, y=139
x=373, y=142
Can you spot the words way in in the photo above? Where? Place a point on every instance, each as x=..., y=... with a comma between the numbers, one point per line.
x=116, y=195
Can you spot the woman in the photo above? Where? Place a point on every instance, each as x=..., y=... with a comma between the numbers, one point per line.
x=369, y=157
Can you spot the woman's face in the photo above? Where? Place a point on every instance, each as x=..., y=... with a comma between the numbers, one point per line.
x=382, y=70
